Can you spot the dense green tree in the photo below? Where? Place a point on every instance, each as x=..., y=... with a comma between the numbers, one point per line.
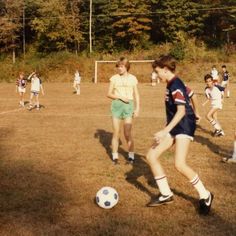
x=57, y=27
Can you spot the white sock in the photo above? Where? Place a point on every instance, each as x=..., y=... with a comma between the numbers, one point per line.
x=198, y=185
x=131, y=155
x=234, y=153
x=163, y=185
x=215, y=124
x=114, y=156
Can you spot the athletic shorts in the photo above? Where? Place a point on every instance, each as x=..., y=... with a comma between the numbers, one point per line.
x=122, y=110
x=224, y=83
x=35, y=93
x=21, y=90
x=217, y=105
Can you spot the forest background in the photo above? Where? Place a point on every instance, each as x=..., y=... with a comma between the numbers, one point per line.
x=53, y=36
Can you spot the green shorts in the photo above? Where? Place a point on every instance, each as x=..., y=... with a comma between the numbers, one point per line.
x=122, y=110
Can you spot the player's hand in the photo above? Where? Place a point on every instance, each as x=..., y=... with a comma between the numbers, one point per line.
x=43, y=93
x=160, y=135
x=125, y=100
x=198, y=118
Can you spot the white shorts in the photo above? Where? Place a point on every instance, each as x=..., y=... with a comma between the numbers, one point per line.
x=224, y=83
x=178, y=136
x=21, y=90
x=219, y=106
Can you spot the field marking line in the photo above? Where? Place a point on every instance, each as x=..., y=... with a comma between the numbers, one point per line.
x=11, y=111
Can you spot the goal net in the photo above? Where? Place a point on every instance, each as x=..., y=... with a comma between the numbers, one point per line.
x=142, y=69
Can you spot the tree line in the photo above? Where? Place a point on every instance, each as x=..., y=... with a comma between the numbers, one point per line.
x=55, y=25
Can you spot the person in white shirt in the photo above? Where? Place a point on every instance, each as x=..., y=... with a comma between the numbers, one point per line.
x=77, y=80
x=215, y=74
x=36, y=86
x=124, y=93
x=154, y=78
x=21, y=87
x=214, y=95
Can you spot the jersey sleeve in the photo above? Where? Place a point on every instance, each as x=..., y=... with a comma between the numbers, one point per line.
x=207, y=93
x=178, y=95
x=189, y=91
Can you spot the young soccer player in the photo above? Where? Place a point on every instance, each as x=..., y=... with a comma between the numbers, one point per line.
x=21, y=87
x=215, y=75
x=36, y=86
x=76, y=84
x=154, y=79
x=214, y=95
x=233, y=159
x=179, y=130
x=225, y=80
x=124, y=93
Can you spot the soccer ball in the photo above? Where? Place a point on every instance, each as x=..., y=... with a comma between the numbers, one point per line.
x=107, y=197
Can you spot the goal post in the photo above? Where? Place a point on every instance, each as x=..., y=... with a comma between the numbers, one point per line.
x=109, y=62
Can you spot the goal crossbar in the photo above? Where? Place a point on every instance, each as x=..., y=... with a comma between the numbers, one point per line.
x=131, y=61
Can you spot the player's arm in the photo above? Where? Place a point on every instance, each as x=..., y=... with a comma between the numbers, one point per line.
x=42, y=90
x=111, y=95
x=29, y=77
x=195, y=106
x=137, y=101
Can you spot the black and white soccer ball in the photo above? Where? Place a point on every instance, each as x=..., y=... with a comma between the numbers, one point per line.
x=107, y=197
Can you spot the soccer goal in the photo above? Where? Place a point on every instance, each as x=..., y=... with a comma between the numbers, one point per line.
x=134, y=62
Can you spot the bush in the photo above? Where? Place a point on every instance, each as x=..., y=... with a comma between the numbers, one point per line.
x=178, y=51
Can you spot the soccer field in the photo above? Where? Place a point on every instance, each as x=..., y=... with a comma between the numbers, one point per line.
x=53, y=161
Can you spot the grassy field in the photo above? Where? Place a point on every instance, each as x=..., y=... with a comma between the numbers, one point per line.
x=53, y=161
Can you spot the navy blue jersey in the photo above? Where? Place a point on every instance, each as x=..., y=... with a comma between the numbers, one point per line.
x=176, y=94
x=225, y=76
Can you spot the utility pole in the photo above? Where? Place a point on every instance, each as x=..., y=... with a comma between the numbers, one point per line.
x=90, y=26
x=24, y=29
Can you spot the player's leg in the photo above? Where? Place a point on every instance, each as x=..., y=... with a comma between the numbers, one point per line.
x=31, y=105
x=78, y=89
x=129, y=138
x=153, y=155
x=116, y=122
x=212, y=118
x=37, y=101
x=181, y=152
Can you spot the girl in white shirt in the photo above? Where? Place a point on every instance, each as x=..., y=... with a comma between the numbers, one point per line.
x=76, y=84
x=36, y=86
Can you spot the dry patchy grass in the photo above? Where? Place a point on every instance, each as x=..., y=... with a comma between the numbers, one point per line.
x=53, y=161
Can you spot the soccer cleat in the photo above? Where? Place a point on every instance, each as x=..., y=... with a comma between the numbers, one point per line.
x=205, y=204
x=161, y=200
x=115, y=161
x=219, y=133
x=130, y=160
x=229, y=160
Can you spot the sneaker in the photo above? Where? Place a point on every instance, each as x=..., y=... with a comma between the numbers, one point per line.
x=115, y=162
x=219, y=133
x=205, y=204
x=37, y=108
x=161, y=200
x=130, y=160
x=229, y=160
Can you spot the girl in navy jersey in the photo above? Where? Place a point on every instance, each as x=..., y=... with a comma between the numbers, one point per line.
x=21, y=87
x=179, y=130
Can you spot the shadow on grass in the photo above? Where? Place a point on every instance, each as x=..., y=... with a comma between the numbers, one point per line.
x=105, y=139
x=28, y=191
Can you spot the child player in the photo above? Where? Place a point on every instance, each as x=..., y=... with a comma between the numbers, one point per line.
x=76, y=84
x=225, y=80
x=214, y=95
x=123, y=91
x=179, y=130
x=36, y=86
x=21, y=87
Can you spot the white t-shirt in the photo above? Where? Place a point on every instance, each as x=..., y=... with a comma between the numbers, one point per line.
x=35, y=84
x=77, y=78
x=124, y=85
x=215, y=74
x=215, y=96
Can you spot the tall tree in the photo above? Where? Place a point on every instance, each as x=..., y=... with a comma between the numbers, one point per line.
x=10, y=25
x=132, y=23
x=57, y=28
